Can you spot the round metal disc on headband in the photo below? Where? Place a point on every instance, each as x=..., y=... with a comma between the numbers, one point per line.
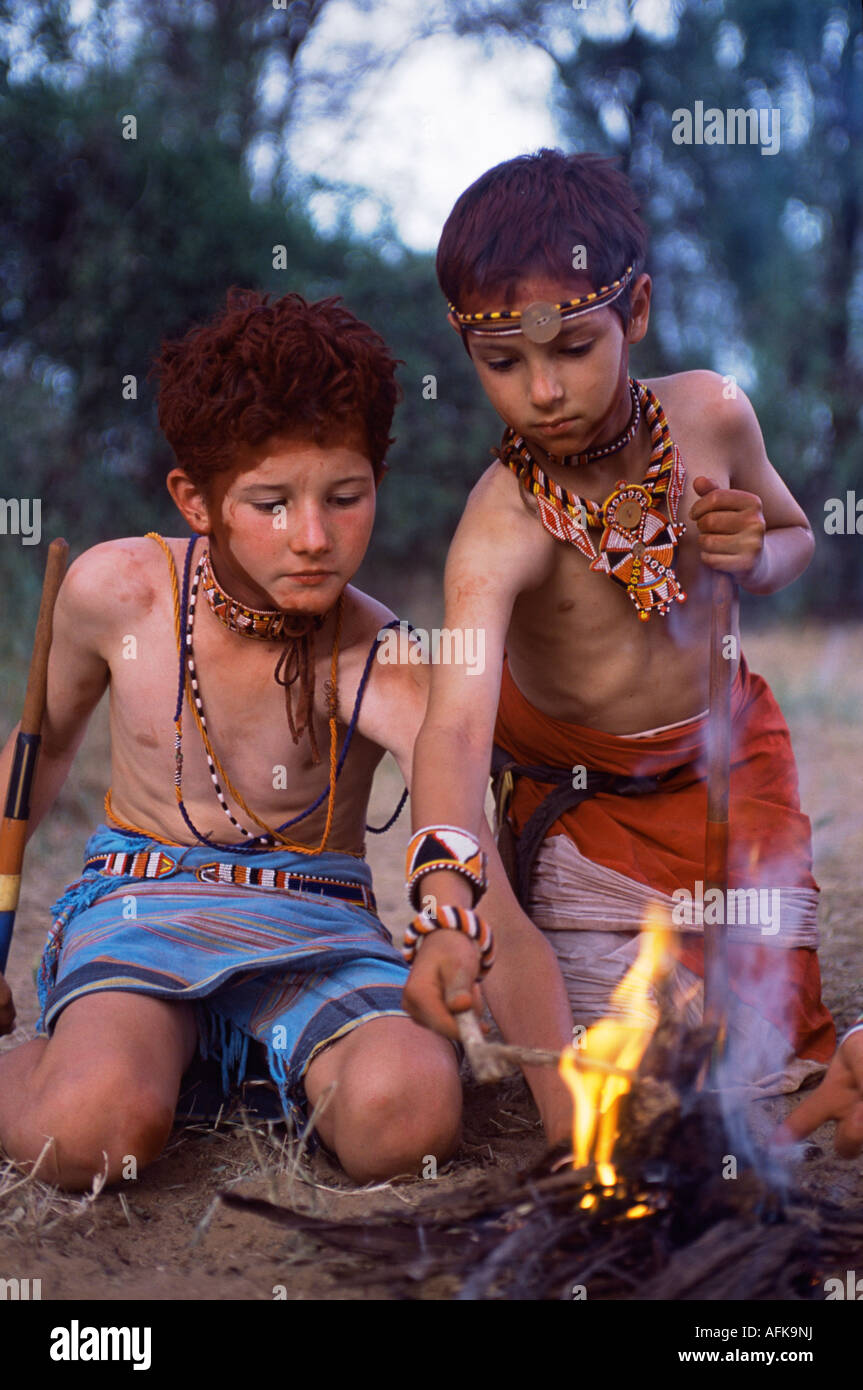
x=540, y=321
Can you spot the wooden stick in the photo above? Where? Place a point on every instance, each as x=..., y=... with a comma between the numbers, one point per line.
x=491, y=1061
x=718, y=778
x=483, y=1063
x=13, y=831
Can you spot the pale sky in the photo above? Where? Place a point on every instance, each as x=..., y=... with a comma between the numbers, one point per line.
x=418, y=135
x=392, y=103
x=438, y=110
x=429, y=111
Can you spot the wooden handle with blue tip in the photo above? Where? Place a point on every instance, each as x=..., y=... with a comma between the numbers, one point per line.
x=13, y=831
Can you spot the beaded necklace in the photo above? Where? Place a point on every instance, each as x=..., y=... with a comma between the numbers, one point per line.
x=268, y=624
x=216, y=769
x=262, y=842
x=638, y=543
x=296, y=661
x=184, y=612
x=603, y=450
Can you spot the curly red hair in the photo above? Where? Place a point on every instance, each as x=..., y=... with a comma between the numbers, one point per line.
x=257, y=370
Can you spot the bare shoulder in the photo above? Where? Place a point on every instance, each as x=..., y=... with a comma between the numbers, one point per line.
x=395, y=696
x=363, y=638
x=706, y=403
x=499, y=543
x=127, y=570
x=363, y=619
x=497, y=492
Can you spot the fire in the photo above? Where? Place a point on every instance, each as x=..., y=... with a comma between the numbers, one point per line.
x=621, y=1043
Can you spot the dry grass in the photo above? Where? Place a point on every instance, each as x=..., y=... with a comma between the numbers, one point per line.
x=270, y=1155
x=31, y=1208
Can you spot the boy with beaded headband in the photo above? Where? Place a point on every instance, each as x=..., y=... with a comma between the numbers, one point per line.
x=585, y=553
x=226, y=902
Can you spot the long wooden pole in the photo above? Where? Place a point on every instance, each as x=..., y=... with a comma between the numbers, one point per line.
x=718, y=779
x=13, y=831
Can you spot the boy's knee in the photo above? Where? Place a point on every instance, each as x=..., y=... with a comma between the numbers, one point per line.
x=113, y=1125
x=393, y=1121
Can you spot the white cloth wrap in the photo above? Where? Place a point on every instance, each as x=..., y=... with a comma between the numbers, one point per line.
x=570, y=892
x=594, y=915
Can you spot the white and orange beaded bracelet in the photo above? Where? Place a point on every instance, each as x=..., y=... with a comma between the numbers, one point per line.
x=461, y=919
x=445, y=847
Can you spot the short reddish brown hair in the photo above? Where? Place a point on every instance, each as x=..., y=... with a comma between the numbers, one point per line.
x=526, y=215
x=258, y=369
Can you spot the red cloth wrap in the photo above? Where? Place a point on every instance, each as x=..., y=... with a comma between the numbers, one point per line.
x=659, y=839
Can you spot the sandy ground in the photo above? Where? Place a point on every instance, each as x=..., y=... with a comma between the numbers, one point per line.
x=153, y=1239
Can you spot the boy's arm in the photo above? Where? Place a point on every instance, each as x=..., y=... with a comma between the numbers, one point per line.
x=524, y=989
x=498, y=552
x=77, y=678
x=752, y=529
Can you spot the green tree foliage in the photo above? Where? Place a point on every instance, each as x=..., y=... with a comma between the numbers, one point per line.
x=109, y=244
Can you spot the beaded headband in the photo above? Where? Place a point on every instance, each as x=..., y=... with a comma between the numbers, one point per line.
x=541, y=321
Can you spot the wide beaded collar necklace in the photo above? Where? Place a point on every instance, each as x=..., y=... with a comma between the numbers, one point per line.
x=268, y=624
x=638, y=542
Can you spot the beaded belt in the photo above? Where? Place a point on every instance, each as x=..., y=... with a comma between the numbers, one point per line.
x=157, y=864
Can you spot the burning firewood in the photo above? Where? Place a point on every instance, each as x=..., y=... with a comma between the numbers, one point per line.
x=533, y=1238
x=643, y=1209
x=652, y=1215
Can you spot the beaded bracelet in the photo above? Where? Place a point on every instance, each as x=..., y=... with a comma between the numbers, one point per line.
x=461, y=919
x=445, y=847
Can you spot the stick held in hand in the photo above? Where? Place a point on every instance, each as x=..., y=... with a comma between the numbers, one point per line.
x=492, y=1061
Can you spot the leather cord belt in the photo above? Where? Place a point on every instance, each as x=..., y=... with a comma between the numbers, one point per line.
x=155, y=864
x=519, y=852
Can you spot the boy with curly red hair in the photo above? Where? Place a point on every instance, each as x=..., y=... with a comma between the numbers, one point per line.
x=226, y=904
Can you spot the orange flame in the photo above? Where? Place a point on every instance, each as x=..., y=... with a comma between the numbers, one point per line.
x=620, y=1041
x=640, y=1209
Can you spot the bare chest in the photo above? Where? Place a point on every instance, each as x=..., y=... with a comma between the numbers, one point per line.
x=235, y=730
x=576, y=645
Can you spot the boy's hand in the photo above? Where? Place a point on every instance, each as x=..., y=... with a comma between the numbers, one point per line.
x=839, y=1097
x=7, y=1008
x=443, y=981
x=731, y=528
